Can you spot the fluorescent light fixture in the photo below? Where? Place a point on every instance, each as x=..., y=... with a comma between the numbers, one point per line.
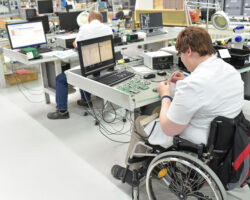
x=220, y=20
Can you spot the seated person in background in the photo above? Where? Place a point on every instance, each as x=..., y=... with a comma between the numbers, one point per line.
x=213, y=88
x=71, y=3
x=68, y=4
x=94, y=29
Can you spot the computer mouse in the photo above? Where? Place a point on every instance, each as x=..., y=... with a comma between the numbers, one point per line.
x=148, y=76
x=162, y=73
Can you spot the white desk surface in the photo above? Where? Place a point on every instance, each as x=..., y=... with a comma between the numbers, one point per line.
x=172, y=33
x=20, y=57
x=113, y=94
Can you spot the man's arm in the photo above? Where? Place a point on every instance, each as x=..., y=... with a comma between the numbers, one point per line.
x=169, y=127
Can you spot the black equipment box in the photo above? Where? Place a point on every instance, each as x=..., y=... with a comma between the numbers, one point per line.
x=239, y=58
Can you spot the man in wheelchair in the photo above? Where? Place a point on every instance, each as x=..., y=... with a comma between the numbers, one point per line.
x=213, y=88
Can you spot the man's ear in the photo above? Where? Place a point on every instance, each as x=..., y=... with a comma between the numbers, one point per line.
x=189, y=51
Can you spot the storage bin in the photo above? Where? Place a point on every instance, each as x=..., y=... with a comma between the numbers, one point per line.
x=13, y=79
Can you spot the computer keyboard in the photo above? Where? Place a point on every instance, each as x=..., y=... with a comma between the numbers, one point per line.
x=43, y=50
x=155, y=33
x=115, y=77
x=136, y=40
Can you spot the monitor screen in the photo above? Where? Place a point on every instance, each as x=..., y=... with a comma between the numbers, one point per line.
x=104, y=16
x=68, y=7
x=68, y=20
x=151, y=21
x=204, y=13
x=45, y=6
x=26, y=34
x=45, y=21
x=96, y=54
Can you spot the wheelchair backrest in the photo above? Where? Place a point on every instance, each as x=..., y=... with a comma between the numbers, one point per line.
x=221, y=134
x=220, y=140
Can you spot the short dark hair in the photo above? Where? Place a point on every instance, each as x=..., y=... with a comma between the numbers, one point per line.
x=95, y=15
x=195, y=38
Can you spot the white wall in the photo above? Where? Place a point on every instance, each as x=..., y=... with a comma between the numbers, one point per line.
x=144, y=4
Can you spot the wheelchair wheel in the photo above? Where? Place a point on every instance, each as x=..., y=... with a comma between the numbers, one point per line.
x=178, y=175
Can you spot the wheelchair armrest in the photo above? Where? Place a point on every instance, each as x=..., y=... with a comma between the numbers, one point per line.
x=156, y=147
x=181, y=143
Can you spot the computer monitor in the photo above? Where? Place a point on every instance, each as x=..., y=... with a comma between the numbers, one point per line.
x=45, y=6
x=26, y=34
x=104, y=16
x=68, y=20
x=211, y=11
x=68, y=7
x=150, y=21
x=45, y=21
x=96, y=54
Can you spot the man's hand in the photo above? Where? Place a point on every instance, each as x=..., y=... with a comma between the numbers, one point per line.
x=164, y=88
x=176, y=76
x=74, y=44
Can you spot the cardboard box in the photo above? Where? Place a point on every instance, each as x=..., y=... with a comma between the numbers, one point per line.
x=158, y=4
x=3, y=23
x=13, y=79
x=80, y=5
x=168, y=4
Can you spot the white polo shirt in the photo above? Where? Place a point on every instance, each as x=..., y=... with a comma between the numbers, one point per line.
x=93, y=30
x=214, y=89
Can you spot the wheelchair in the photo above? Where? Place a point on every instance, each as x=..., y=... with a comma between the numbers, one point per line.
x=186, y=171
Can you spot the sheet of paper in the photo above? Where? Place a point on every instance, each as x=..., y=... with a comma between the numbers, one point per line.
x=65, y=54
x=50, y=53
x=29, y=55
x=61, y=54
x=224, y=53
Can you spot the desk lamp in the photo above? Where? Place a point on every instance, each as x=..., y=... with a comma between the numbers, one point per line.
x=220, y=20
x=82, y=18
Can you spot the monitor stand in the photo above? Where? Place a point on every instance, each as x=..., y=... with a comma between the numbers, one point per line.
x=96, y=74
x=111, y=69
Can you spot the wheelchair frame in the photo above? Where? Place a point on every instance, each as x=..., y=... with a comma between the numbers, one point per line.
x=187, y=155
x=192, y=155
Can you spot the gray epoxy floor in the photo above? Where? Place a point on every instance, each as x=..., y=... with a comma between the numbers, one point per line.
x=62, y=159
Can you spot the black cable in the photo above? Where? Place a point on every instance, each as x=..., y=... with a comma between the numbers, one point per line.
x=136, y=132
x=112, y=134
x=103, y=113
x=117, y=132
x=101, y=126
x=91, y=108
x=113, y=139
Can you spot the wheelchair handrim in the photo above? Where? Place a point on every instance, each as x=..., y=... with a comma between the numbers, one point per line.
x=186, y=160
